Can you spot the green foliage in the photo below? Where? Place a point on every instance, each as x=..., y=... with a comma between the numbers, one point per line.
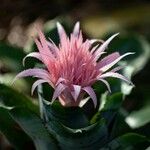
x=12, y=57
x=16, y=136
x=10, y=98
x=127, y=142
x=72, y=117
x=139, y=118
x=65, y=128
x=93, y=136
x=20, y=111
x=34, y=127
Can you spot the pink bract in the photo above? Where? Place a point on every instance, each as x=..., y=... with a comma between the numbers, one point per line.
x=73, y=66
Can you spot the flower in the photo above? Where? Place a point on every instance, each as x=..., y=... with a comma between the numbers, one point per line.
x=73, y=66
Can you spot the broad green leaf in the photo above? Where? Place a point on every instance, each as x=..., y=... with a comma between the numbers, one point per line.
x=12, y=57
x=128, y=141
x=15, y=135
x=72, y=117
x=111, y=105
x=20, y=84
x=148, y=148
x=109, y=112
x=88, y=138
x=11, y=98
x=34, y=127
x=139, y=118
x=113, y=102
x=26, y=114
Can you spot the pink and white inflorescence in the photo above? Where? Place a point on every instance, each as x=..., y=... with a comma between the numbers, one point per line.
x=73, y=66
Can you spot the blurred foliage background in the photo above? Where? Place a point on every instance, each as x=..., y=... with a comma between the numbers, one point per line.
x=99, y=19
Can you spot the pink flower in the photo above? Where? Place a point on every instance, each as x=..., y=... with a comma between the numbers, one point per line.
x=72, y=67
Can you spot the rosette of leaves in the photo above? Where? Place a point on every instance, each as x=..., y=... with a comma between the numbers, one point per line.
x=56, y=127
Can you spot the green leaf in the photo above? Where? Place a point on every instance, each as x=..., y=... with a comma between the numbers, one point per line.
x=108, y=108
x=34, y=127
x=15, y=135
x=20, y=84
x=128, y=141
x=148, y=148
x=11, y=98
x=88, y=138
x=72, y=117
x=139, y=118
x=26, y=114
x=109, y=111
x=12, y=57
x=113, y=102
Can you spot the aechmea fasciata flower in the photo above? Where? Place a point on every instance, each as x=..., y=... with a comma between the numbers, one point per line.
x=73, y=66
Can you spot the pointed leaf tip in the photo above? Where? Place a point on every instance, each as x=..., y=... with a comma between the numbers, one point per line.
x=76, y=92
x=60, y=28
x=76, y=29
x=91, y=93
x=59, y=89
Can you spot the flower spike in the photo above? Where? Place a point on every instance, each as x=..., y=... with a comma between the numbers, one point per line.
x=74, y=66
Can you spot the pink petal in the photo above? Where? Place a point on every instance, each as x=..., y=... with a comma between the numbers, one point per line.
x=61, y=32
x=94, y=49
x=97, y=53
x=59, y=89
x=39, y=73
x=76, y=29
x=40, y=81
x=53, y=48
x=114, y=75
x=92, y=41
x=107, y=84
x=91, y=93
x=108, y=66
x=44, y=43
x=116, y=69
x=33, y=54
x=45, y=55
x=76, y=92
x=43, y=48
x=59, y=81
x=107, y=60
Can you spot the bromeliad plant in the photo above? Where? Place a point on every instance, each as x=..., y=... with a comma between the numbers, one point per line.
x=71, y=69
